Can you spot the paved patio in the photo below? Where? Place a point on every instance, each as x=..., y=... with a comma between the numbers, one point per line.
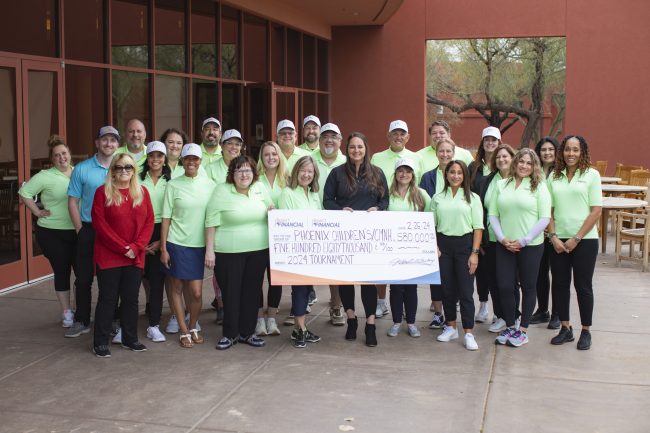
x=52, y=384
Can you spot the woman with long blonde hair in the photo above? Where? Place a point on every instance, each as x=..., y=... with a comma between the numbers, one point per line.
x=123, y=220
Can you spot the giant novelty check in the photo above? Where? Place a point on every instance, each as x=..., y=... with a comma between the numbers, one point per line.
x=341, y=247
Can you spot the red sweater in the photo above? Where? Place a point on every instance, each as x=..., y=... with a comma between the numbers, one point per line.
x=119, y=226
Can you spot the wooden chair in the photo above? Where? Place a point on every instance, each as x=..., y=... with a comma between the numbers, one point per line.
x=633, y=235
x=601, y=167
x=625, y=171
x=638, y=178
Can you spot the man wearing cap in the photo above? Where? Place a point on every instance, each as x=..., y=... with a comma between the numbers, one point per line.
x=136, y=134
x=210, y=136
x=86, y=178
x=286, y=131
x=439, y=130
x=310, y=133
x=232, y=145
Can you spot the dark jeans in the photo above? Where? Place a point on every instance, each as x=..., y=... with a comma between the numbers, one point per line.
x=299, y=299
x=582, y=261
x=59, y=247
x=544, y=280
x=125, y=283
x=436, y=292
x=525, y=265
x=368, y=298
x=84, y=272
x=156, y=277
x=403, y=296
x=457, y=282
x=240, y=276
x=274, y=293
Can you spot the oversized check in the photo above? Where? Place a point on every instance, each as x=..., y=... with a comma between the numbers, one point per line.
x=341, y=247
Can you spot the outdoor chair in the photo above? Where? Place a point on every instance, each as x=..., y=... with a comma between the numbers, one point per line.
x=633, y=235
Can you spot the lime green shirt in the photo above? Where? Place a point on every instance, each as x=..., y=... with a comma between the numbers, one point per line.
x=305, y=146
x=386, y=160
x=397, y=203
x=156, y=194
x=208, y=157
x=186, y=200
x=489, y=197
x=297, y=199
x=454, y=216
x=52, y=185
x=324, y=170
x=274, y=191
x=217, y=171
x=140, y=161
x=180, y=171
x=295, y=156
x=429, y=158
x=519, y=209
x=241, y=220
x=572, y=201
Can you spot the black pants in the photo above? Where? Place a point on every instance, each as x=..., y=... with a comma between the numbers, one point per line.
x=300, y=299
x=368, y=298
x=84, y=272
x=274, y=293
x=403, y=297
x=125, y=283
x=544, y=280
x=436, y=292
x=525, y=265
x=240, y=276
x=484, y=277
x=457, y=282
x=582, y=261
x=156, y=277
x=59, y=247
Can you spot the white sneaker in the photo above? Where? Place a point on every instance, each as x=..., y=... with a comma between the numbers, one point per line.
x=470, y=342
x=448, y=333
x=172, y=325
x=290, y=320
x=118, y=337
x=272, y=327
x=393, y=330
x=382, y=310
x=187, y=323
x=414, y=331
x=337, y=318
x=497, y=325
x=260, y=328
x=517, y=323
x=154, y=334
x=483, y=314
x=68, y=318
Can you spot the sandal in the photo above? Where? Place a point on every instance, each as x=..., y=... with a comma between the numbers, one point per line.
x=186, y=341
x=196, y=337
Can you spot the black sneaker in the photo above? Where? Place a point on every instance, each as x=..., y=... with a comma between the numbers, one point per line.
x=554, y=322
x=225, y=343
x=102, y=351
x=438, y=321
x=252, y=340
x=565, y=336
x=136, y=346
x=371, y=336
x=298, y=338
x=311, y=338
x=584, y=342
x=351, y=331
x=540, y=317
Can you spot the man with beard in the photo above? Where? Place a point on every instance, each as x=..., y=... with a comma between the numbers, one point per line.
x=310, y=133
x=210, y=136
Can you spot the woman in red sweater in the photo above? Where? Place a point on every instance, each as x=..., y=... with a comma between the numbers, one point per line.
x=123, y=221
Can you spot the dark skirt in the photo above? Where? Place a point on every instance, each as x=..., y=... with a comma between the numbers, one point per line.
x=186, y=262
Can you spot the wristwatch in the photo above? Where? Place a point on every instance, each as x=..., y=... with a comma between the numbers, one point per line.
x=476, y=250
x=577, y=239
x=552, y=235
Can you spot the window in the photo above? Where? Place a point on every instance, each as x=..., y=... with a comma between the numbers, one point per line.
x=171, y=103
x=255, y=50
x=229, y=43
x=130, y=33
x=309, y=62
x=230, y=107
x=293, y=58
x=84, y=30
x=277, y=54
x=206, y=99
x=323, y=65
x=131, y=99
x=30, y=27
x=170, y=35
x=204, y=38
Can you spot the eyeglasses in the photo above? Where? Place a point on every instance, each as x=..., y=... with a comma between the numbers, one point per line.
x=244, y=171
x=126, y=168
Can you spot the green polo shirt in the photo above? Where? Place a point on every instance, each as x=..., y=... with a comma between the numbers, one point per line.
x=217, y=171
x=186, y=199
x=305, y=146
x=156, y=194
x=297, y=199
x=295, y=156
x=572, y=201
x=274, y=191
x=519, y=209
x=489, y=197
x=397, y=203
x=429, y=158
x=241, y=220
x=208, y=157
x=454, y=216
x=386, y=160
x=324, y=170
x=140, y=161
x=180, y=171
x=52, y=185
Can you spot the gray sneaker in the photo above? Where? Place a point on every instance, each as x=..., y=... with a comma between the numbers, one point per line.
x=76, y=330
x=394, y=330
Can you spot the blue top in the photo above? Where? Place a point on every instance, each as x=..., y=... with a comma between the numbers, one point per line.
x=86, y=178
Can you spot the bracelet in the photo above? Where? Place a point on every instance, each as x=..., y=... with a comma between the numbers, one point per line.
x=552, y=235
x=577, y=239
x=476, y=250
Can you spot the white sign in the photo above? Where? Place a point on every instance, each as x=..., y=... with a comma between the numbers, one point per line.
x=341, y=247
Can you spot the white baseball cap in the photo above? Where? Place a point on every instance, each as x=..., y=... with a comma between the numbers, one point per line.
x=156, y=146
x=398, y=124
x=192, y=149
x=283, y=124
x=404, y=161
x=311, y=118
x=106, y=130
x=330, y=127
x=231, y=133
x=210, y=120
x=491, y=131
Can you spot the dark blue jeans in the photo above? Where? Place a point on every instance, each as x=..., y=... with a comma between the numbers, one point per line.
x=299, y=299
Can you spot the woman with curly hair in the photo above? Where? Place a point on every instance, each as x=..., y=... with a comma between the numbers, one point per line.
x=518, y=214
x=577, y=203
